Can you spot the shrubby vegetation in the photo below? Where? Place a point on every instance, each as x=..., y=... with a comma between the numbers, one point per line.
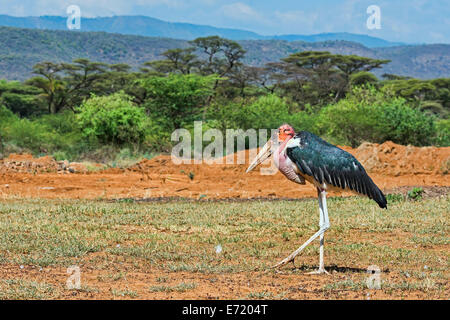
x=370, y=115
x=112, y=119
x=92, y=110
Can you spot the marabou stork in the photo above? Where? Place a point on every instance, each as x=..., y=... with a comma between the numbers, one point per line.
x=305, y=156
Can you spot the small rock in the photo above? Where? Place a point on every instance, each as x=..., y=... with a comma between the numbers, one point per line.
x=21, y=267
x=71, y=170
x=6, y=185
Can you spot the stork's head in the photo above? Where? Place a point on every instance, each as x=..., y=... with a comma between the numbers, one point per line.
x=275, y=145
x=285, y=132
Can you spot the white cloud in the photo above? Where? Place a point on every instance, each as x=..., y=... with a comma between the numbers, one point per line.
x=296, y=21
x=88, y=8
x=19, y=10
x=208, y=2
x=240, y=11
x=418, y=4
x=347, y=11
x=436, y=37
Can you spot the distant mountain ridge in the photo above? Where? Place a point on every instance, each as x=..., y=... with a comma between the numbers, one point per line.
x=152, y=27
x=368, y=41
x=21, y=48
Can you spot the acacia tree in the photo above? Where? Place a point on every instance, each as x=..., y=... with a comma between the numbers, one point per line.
x=66, y=85
x=116, y=77
x=241, y=79
x=223, y=56
x=50, y=82
x=177, y=61
x=81, y=77
x=318, y=77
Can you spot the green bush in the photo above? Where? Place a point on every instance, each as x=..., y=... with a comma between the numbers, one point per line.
x=62, y=123
x=6, y=116
x=306, y=120
x=405, y=125
x=443, y=133
x=370, y=115
x=37, y=138
x=46, y=134
x=267, y=112
x=224, y=115
x=158, y=135
x=60, y=155
x=22, y=104
x=112, y=119
x=394, y=197
x=27, y=135
x=21, y=99
x=415, y=193
x=177, y=100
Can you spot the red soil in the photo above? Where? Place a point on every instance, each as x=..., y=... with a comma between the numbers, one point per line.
x=390, y=166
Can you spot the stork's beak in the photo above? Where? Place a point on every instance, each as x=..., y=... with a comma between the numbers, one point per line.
x=263, y=154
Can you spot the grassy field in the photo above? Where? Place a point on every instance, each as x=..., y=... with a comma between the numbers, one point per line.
x=129, y=250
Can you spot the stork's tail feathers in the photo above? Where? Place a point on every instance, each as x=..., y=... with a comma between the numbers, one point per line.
x=379, y=197
x=360, y=182
x=374, y=193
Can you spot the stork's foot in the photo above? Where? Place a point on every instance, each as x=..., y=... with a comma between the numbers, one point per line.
x=290, y=258
x=319, y=271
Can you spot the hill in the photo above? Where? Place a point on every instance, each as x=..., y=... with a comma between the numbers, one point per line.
x=368, y=41
x=21, y=48
x=151, y=27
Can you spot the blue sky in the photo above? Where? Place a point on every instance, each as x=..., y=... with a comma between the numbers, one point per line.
x=413, y=21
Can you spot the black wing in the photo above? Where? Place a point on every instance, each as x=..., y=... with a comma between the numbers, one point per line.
x=328, y=163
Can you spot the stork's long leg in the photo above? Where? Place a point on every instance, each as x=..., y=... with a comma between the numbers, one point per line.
x=323, y=221
x=324, y=225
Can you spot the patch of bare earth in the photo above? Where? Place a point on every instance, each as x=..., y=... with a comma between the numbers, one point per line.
x=394, y=168
x=391, y=166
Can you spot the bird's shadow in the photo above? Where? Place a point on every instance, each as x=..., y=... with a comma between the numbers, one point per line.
x=333, y=268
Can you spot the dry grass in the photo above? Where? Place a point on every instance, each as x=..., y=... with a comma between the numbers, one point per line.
x=156, y=250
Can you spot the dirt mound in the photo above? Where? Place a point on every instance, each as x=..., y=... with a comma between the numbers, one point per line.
x=391, y=166
x=388, y=159
x=394, y=160
x=26, y=163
